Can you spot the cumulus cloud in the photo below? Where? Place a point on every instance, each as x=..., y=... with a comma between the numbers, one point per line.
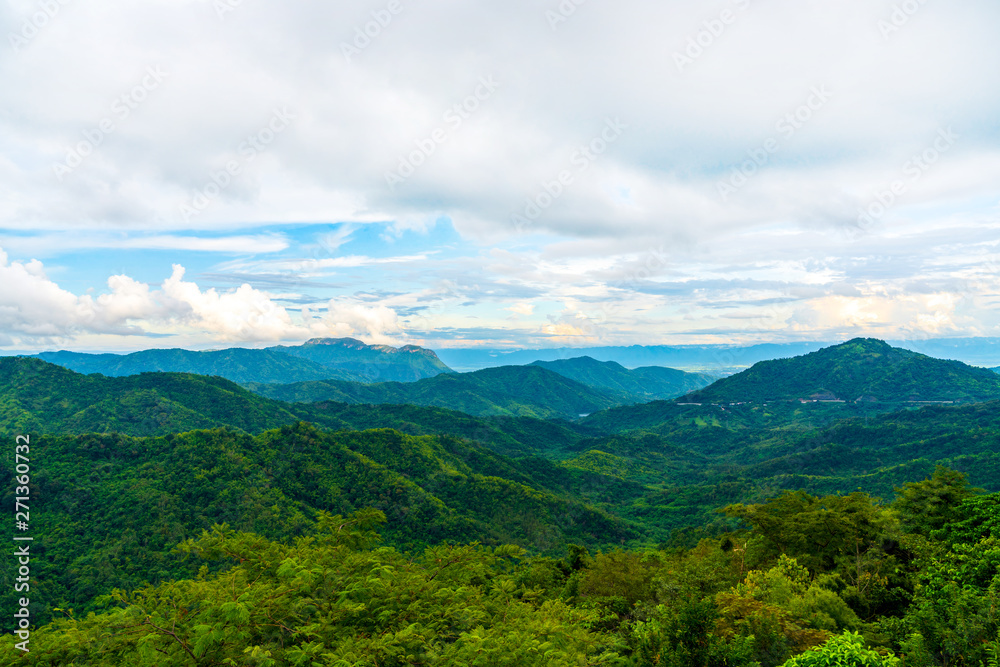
x=32, y=307
x=35, y=310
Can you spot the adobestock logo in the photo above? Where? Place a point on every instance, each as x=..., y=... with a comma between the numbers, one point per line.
x=220, y=180
x=47, y=10
x=900, y=16
x=712, y=30
x=123, y=107
x=553, y=189
x=787, y=126
x=365, y=35
x=914, y=168
x=454, y=117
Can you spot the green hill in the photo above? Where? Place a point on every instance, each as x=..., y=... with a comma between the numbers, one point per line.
x=38, y=397
x=648, y=383
x=517, y=391
x=863, y=370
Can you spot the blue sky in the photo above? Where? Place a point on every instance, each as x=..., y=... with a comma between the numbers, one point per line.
x=202, y=174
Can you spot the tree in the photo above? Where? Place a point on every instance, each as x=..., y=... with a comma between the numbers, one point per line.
x=816, y=531
x=928, y=505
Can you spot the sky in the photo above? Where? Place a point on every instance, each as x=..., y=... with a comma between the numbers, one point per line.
x=524, y=174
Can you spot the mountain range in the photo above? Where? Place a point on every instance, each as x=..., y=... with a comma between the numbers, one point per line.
x=647, y=383
x=125, y=468
x=317, y=359
x=566, y=389
x=712, y=358
x=525, y=391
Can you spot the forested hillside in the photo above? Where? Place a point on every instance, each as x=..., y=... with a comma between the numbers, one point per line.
x=648, y=383
x=862, y=369
x=811, y=581
x=115, y=505
x=38, y=397
x=517, y=391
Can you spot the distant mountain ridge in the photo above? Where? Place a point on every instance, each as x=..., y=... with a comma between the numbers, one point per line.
x=862, y=369
x=518, y=391
x=371, y=363
x=316, y=359
x=719, y=358
x=649, y=383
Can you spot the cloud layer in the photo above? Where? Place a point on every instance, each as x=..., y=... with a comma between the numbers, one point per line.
x=807, y=167
x=260, y=112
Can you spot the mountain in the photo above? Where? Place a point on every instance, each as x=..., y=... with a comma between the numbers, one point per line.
x=317, y=359
x=863, y=370
x=236, y=364
x=648, y=383
x=368, y=363
x=520, y=391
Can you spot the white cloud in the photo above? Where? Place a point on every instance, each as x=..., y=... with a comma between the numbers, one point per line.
x=889, y=96
x=68, y=242
x=35, y=310
x=32, y=307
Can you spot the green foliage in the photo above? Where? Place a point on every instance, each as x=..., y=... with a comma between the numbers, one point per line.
x=37, y=397
x=332, y=598
x=617, y=548
x=976, y=518
x=847, y=650
x=819, y=532
x=115, y=505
